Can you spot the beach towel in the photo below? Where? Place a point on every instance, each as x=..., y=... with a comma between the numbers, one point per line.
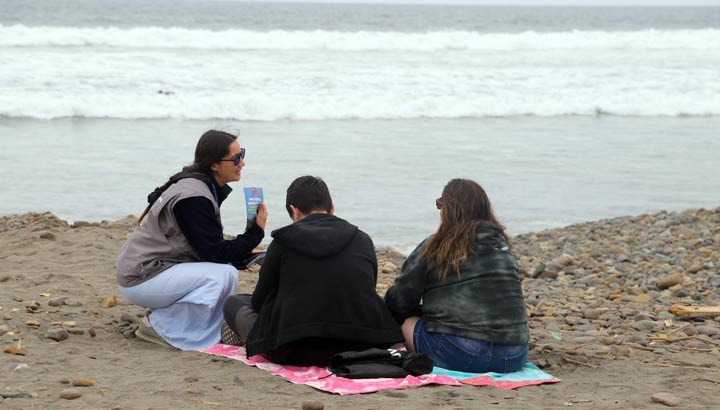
x=321, y=378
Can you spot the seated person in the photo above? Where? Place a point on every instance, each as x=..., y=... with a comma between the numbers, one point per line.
x=177, y=263
x=315, y=295
x=458, y=294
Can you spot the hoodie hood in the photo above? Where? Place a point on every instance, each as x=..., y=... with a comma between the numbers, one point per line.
x=317, y=235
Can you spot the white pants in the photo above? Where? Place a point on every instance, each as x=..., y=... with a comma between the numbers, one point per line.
x=186, y=302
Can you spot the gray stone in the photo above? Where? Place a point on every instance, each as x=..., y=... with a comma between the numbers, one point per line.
x=667, y=399
x=707, y=330
x=644, y=316
x=58, y=301
x=591, y=314
x=643, y=325
x=539, y=269
x=57, y=333
x=126, y=317
x=128, y=333
x=690, y=330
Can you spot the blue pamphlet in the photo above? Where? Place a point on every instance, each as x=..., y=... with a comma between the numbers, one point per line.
x=253, y=199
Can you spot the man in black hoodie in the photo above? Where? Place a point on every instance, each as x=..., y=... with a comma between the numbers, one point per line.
x=315, y=296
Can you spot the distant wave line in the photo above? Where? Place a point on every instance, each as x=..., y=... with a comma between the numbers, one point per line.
x=182, y=38
x=597, y=112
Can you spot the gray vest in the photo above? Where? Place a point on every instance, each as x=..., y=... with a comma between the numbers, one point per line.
x=158, y=243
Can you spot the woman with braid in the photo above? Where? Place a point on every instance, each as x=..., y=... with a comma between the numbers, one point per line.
x=458, y=294
x=177, y=263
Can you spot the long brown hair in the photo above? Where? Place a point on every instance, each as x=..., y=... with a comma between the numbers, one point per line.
x=465, y=206
x=212, y=146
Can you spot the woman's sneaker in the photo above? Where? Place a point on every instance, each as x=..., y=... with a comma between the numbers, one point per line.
x=147, y=333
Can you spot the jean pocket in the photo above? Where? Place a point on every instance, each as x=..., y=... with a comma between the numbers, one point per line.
x=516, y=360
x=456, y=353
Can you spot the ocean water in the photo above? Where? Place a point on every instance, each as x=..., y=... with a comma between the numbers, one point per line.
x=562, y=114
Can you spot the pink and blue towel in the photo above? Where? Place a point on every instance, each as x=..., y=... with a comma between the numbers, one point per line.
x=321, y=379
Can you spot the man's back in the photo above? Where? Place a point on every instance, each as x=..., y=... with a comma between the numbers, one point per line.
x=318, y=283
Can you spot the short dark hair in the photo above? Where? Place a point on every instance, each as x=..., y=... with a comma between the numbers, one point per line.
x=308, y=194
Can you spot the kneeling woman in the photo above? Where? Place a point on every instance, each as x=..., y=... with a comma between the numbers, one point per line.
x=177, y=262
x=458, y=295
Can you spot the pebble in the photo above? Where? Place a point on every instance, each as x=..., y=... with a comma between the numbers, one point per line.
x=707, y=330
x=695, y=268
x=83, y=382
x=19, y=351
x=70, y=394
x=584, y=339
x=313, y=405
x=126, y=317
x=608, y=340
x=591, y=314
x=109, y=301
x=57, y=333
x=47, y=235
x=670, y=281
x=667, y=399
x=690, y=330
x=643, y=325
x=128, y=333
x=389, y=267
x=57, y=301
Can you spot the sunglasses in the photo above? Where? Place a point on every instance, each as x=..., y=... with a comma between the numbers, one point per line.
x=237, y=158
x=439, y=203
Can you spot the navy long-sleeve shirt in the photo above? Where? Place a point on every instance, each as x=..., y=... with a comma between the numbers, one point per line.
x=197, y=221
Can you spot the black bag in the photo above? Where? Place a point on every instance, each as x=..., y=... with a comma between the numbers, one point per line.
x=374, y=363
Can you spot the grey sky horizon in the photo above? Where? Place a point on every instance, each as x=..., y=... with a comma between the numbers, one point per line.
x=515, y=2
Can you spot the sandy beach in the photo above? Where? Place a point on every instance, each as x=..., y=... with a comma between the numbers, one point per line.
x=598, y=295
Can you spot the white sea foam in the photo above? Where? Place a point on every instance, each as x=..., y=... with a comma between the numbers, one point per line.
x=53, y=72
x=182, y=38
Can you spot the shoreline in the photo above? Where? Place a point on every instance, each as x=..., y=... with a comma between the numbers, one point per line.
x=598, y=296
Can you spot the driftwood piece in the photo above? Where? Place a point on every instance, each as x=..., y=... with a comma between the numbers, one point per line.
x=678, y=339
x=689, y=312
x=579, y=363
x=639, y=346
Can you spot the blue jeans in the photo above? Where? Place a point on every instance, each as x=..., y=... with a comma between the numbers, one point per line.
x=468, y=355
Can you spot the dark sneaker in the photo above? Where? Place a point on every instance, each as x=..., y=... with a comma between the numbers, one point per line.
x=228, y=337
